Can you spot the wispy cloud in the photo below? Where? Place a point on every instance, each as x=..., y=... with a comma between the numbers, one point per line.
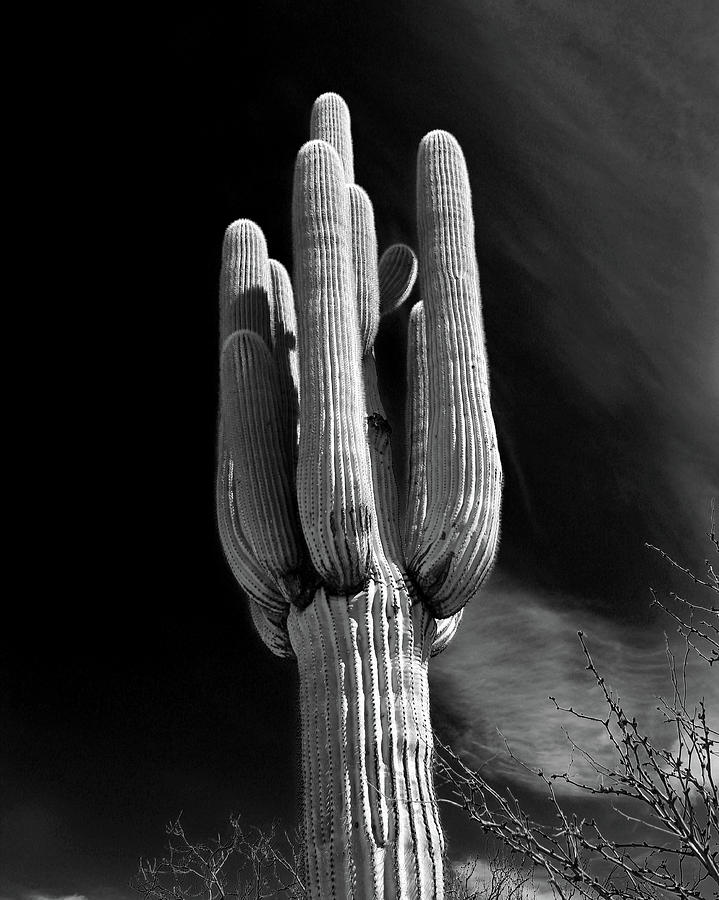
x=41, y=896
x=95, y=893
x=516, y=647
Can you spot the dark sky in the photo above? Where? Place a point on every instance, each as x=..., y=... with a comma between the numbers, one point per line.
x=132, y=684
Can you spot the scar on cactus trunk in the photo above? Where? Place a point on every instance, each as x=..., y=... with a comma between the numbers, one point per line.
x=360, y=592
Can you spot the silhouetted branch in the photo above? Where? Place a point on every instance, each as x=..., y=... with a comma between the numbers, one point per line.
x=242, y=864
x=668, y=793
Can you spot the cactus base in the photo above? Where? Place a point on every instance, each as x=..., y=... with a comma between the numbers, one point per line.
x=370, y=814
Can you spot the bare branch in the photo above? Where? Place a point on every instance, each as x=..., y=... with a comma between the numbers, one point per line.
x=670, y=793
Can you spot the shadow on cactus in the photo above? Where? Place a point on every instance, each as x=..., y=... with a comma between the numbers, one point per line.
x=337, y=575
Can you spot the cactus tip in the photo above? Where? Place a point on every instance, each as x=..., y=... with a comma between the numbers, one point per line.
x=440, y=138
x=317, y=148
x=330, y=97
x=244, y=227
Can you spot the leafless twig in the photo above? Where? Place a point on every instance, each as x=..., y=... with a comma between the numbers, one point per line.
x=242, y=864
x=668, y=795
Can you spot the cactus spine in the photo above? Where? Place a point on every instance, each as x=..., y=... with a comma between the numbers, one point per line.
x=360, y=592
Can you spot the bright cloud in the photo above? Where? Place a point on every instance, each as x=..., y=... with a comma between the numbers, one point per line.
x=35, y=896
x=515, y=648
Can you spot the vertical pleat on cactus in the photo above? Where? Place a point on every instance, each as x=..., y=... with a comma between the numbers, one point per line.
x=360, y=592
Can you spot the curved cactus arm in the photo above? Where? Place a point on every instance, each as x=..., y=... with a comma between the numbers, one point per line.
x=250, y=413
x=397, y=275
x=254, y=580
x=459, y=537
x=330, y=122
x=417, y=421
x=334, y=488
x=245, y=303
x=267, y=605
x=244, y=282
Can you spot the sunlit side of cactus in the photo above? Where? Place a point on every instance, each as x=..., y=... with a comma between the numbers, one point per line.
x=360, y=592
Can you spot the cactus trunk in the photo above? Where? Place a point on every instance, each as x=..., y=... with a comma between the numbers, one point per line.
x=370, y=814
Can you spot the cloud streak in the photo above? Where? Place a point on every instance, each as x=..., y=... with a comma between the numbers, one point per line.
x=40, y=896
x=518, y=646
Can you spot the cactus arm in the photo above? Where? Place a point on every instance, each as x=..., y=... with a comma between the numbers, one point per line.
x=250, y=413
x=246, y=303
x=464, y=473
x=333, y=484
x=267, y=605
x=416, y=423
x=416, y=419
x=284, y=352
x=397, y=275
x=244, y=282
x=330, y=122
x=364, y=258
x=254, y=580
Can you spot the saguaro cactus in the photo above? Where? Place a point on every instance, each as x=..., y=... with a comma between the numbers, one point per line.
x=360, y=592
